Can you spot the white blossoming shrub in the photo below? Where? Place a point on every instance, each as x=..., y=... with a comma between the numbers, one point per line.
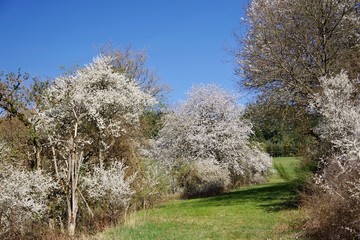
x=109, y=184
x=23, y=198
x=339, y=106
x=208, y=129
x=337, y=185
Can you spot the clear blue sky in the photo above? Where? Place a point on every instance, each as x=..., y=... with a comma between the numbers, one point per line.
x=185, y=39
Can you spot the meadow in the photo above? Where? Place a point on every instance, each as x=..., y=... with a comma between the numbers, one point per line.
x=264, y=211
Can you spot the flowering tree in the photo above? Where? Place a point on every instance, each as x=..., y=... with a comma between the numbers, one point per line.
x=339, y=106
x=208, y=130
x=85, y=111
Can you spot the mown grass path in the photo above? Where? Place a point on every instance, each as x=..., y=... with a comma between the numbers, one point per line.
x=255, y=212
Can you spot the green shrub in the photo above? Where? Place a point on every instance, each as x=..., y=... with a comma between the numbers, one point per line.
x=151, y=184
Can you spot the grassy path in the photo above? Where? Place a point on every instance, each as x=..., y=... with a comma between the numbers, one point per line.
x=255, y=212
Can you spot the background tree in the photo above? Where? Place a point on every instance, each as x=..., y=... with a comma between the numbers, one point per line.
x=17, y=137
x=17, y=102
x=282, y=129
x=132, y=64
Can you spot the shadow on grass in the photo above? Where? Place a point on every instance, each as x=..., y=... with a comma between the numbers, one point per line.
x=272, y=197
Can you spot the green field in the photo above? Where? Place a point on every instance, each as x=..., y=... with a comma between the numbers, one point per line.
x=263, y=211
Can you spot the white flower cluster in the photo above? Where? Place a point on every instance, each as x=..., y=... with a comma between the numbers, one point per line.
x=339, y=104
x=23, y=196
x=109, y=184
x=208, y=127
x=99, y=94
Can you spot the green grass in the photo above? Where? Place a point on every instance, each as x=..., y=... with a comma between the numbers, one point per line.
x=289, y=164
x=256, y=212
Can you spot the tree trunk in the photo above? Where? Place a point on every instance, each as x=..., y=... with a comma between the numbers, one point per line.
x=72, y=199
x=37, y=164
x=38, y=150
x=72, y=202
x=71, y=224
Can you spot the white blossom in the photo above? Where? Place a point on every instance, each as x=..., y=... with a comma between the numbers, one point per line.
x=211, y=172
x=23, y=196
x=109, y=183
x=209, y=127
x=339, y=106
x=98, y=94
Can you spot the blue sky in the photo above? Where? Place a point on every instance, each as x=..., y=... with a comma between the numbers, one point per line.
x=185, y=40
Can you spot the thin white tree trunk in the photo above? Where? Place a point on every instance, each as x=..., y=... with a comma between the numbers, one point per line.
x=72, y=213
x=73, y=170
x=72, y=201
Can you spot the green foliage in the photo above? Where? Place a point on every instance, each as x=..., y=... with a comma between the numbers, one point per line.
x=283, y=130
x=151, y=184
x=303, y=174
x=151, y=123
